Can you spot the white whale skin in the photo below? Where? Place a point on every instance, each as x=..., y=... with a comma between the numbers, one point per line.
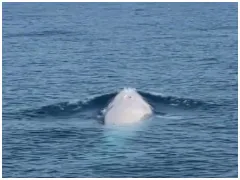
x=128, y=106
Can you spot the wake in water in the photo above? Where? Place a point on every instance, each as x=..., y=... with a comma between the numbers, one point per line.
x=162, y=105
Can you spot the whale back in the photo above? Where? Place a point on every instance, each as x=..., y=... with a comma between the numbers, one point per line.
x=127, y=106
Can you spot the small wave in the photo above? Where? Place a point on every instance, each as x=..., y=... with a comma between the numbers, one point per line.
x=158, y=98
x=45, y=33
x=71, y=108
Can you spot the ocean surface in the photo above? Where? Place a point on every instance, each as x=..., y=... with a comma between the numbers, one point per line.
x=64, y=62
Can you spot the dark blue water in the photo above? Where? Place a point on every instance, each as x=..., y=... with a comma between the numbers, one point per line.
x=63, y=62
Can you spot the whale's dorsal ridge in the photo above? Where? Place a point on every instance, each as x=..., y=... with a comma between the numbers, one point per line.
x=127, y=106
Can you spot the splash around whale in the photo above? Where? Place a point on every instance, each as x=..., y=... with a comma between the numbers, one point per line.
x=127, y=107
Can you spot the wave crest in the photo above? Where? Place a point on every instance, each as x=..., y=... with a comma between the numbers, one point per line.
x=98, y=103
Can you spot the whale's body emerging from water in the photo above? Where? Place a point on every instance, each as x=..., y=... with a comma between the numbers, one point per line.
x=128, y=106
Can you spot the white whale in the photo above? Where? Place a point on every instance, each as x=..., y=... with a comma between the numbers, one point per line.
x=128, y=106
